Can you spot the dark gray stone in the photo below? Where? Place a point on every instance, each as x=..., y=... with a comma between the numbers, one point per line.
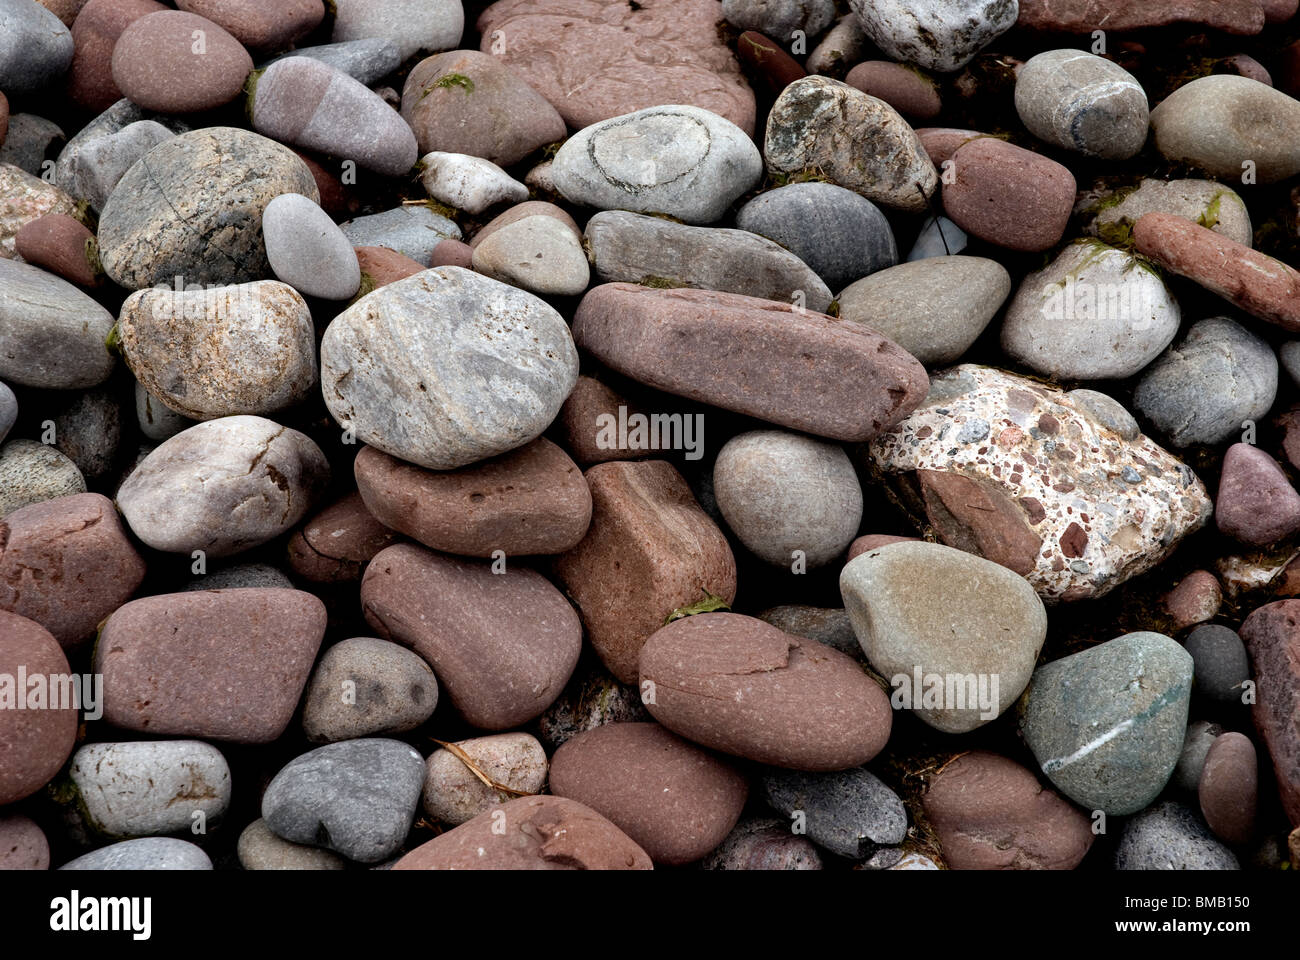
x=366, y=60
x=848, y=812
x=51, y=334
x=1170, y=836
x=35, y=47
x=1221, y=665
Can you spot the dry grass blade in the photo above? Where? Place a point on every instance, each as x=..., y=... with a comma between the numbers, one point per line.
x=464, y=758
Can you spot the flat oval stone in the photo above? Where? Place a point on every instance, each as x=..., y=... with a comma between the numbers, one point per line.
x=90, y=74
x=784, y=494
x=1218, y=123
x=718, y=348
x=51, y=334
x=1221, y=665
x=992, y=814
x=259, y=337
x=1114, y=211
x=468, y=183
x=33, y=472
x=381, y=266
x=533, y=500
x=1009, y=196
x=1273, y=643
x=22, y=844
x=675, y=800
x=312, y=105
x=260, y=849
x=1256, y=503
x=160, y=63
x=906, y=89
x=530, y=208
x=453, y=793
x=413, y=25
x=764, y=843
x=469, y=102
x=192, y=207
x=1106, y=725
x=539, y=254
x=223, y=486
x=67, y=564
x=262, y=25
x=144, y=853
x=923, y=610
x=413, y=231
x=363, y=687
x=853, y=139
x=307, y=250
x=933, y=308
x=1202, y=389
x=502, y=644
x=446, y=368
x=62, y=245
x=632, y=248
x=650, y=551
x=145, y=788
x=1243, y=17
x=848, y=812
x=1169, y=836
x=1081, y=102
x=218, y=664
x=357, y=798
x=26, y=198
x=35, y=741
x=35, y=47
x=739, y=685
x=940, y=35
x=1229, y=787
x=335, y=545
x=541, y=833
x=679, y=160
x=1093, y=313
x=1196, y=598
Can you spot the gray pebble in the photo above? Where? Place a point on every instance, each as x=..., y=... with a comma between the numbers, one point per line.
x=1079, y=101
x=364, y=686
x=1221, y=664
x=1111, y=210
x=471, y=184
x=357, y=798
x=8, y=410
x=29, y=141
x=828, y=625
x=157, y=421
x=778, y=19
x=764, y=843
x=848, y=812
x=940, y=35
x=366, y=60
x=940, y=237
x=843, y=46
x=539, y=254
x=51, y=334
x=35, y=47
x=1289, y=354
x=454, y=795
x=239, y=576
x=145, y=853
x=32, y=472
x=308, y=251
x=260, y=849
x=88, y=431
x=412, y=25
x=1107, y=411
x=1196, y=746
x=100, y=164
x=68, y=171
x=1170, y=836
x=410, y=230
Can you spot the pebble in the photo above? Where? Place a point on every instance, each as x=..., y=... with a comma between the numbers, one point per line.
x=62, y=245
x=357, y=798
x=1220, y=123
x=741, y=686
x=1169, y=836
x=679, y=160
x=156, y=420
x=784, y=495
x=66, y=564
x=452, y=253
x=927, y=609
x=632, y=248
x=260, y=849
x=447, y=367
x=240, y=575
x=259, y=335
x=88, y=430
x=335, y=545
x=8, y=411
x=35, y=47
x=503, y=645
x=144, y=853
x=933, y=308
x=990, y=813
x=763, y=843
x=1084, y=16
x=932, y=34
x=532, y=208
x=453, y=794
x=828, y=625
x=1021, y=493
x=22, y=844
x=780, y=18
x=839, y=234
x=1196, y=599
x=1093, y=313
x=367, y=60
x=261, y=25
x=95, y=32
x=159, y=63
x=1201, y=390
x=1256, y=503
x=1221, y=665
x=540, y=833
x=1200, y=736
x=853, y=140
x=309, y=104
x=644, y=519
x=149, y=787
x=246, y=657
x=1229, y=787
x=849, y=813
x=592, y=64
x=1106, y=411
x=1106, y=725
x=1008, y=196
x=906, y=89
x=1259, y=284
x=29, y=141
x=413, y=231
x=538, y=254
x=381, y=266
x=533, y=500
x=1082, y=102
x=98, y=165
x=1112, y=212
x=685, y=343
x=307, y=250
x=33, y=472
x=1272, y=640
x=841, y=45
x=25, y=198
x=363, y=687
x=466, y=102
x=413, y=25
x=259, y=479
x=676, y=801
x=762, y=55
x=53, y=333
x=34, y=743
x=940, y=237
x=192, y=208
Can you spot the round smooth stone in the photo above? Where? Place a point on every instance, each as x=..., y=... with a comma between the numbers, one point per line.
x=1009, y=196
x=413, y=231
x=62, y=245
x=1256, y=503
x=262, y=25
x=906, y=89
x=942, y=35
x=1229, y=788
x=850, y=813
x=1082, y=102
x=177, y=62
x=764, y=843
x=35, y=47
x=1106, y=411
x=1169, y=836
x=366, y=61
x=99, y=164
x=22, y=844
x=52, y=333
x=335, y=545
x=35, y=741
x=33, y=472
x=88, y=430
x=454, y=794
x=94, y=33
x=144, y=853
x=307, y=250
x=780, y=18
x=260, y=849
x=157, y=421
x=238, y=576
x=363, y=687
x=1221, y=665
x=539, y=254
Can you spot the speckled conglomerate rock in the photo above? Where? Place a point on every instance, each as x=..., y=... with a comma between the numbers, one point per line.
x=1016, y=471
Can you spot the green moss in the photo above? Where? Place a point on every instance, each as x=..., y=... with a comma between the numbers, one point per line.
x=834, y=309
x=709, y=604
x=250, y=93
x=1210, y=217
x=113, y=342
x=660, y=283
x=1116, y=233
x=1112, y=199
x=447, y=81
x=367, y=286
